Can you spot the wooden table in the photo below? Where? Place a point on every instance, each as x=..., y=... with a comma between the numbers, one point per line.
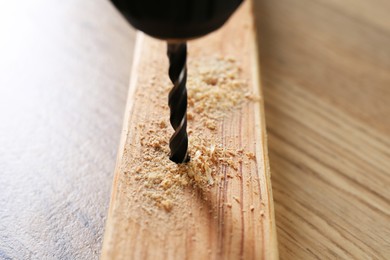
x=326, y=74
x=325, y=68
x=64, y=71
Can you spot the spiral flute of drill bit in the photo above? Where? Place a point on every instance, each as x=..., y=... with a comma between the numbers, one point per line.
x=177, y=101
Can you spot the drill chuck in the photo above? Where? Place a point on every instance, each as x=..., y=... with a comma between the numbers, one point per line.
x=177, y=19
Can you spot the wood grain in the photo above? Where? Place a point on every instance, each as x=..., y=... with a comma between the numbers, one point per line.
x=232, y=219
x=325, y=69
x=64, y=73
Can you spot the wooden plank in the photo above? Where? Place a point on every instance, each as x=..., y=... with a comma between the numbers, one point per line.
x=220, y=204
x=326, y=85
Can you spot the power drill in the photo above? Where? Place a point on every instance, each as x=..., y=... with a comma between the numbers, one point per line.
x=177, y=21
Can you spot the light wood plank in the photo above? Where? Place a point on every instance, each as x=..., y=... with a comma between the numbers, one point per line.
x=230, y=219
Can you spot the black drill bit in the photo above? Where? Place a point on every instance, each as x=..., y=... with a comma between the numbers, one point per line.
x=177, y=54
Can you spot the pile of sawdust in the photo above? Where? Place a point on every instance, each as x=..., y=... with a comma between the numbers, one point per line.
x=215, y=88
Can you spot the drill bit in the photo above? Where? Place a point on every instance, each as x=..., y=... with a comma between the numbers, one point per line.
x=177, y=101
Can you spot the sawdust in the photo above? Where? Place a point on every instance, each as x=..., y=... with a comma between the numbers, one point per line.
x=215, y=89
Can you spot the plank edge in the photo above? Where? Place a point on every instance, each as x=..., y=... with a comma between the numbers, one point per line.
x=124, y=134
x=260, y=118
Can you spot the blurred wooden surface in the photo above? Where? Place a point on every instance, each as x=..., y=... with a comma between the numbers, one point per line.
x=64, y=71
x=326, y=77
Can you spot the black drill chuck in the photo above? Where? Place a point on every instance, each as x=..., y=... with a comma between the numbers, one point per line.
x=177, y=19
